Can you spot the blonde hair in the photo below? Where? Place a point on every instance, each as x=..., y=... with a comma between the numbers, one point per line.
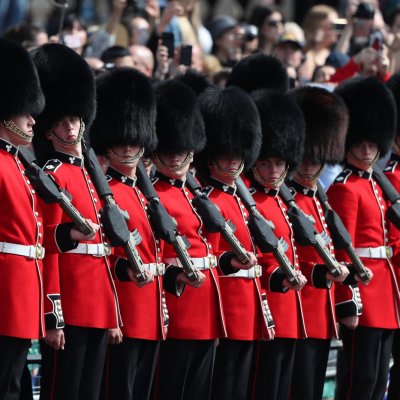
x=312, y=20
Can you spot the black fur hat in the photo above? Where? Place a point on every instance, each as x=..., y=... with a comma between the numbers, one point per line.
x=179, y=125
x=20, y=92
x=326, y=119
x=126, y=111
x=232, y=125
x=68, y=85
x=372, y=112
x=283, y=127
x=394, y=85
x=258, y=71
x=197, y=81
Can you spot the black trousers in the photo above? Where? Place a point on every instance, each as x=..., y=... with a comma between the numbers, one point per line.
x=232, y=369
x=129, y=370
x=394, y=386
x=367, y=355
x=13, y=353
x=275, y=362
x=185, y=369
x=74, y=373
x=310, y=362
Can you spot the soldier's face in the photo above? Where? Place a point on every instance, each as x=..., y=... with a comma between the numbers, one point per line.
x=125, y=152
x=364, y=152
x=271, y=169
x=229, y=163
x=25, y=123
x=309, y=169
x=173, y=160
x=67, y=129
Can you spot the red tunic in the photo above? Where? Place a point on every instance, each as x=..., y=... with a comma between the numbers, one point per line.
x=88, y=295
x=392, y=171
x=21, y=293
x=318, y=303
x=286, y=307
x=358, y=200
x=141, y=308
x=197, y=314
x=241, y=297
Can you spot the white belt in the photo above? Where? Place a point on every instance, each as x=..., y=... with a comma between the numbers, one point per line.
x=155, y=268
x=34, y=252
x=97, y=250
x=200, y=263
x=375, y=252
x=253, y=272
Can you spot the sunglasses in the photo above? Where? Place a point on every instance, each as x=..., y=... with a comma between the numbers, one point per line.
x=275, y=22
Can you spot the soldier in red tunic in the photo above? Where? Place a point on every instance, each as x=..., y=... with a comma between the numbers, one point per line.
x=357, y=198
x=233, y=142
x=392, y=171
x=80, y=278
x=123, y=129
x=196, y=320
x=326, y=124
x=283, y=132
x=21, y=220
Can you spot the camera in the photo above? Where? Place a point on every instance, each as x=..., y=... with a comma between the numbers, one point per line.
x=364, y=11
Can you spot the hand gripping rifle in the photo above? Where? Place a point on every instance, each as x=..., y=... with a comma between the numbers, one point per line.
x=113, y=218
x=341, y=236
x=390, y=193
x=263, y=235
x=165, y=228
x=49, y=191
x=306, y=234
x=213, y=219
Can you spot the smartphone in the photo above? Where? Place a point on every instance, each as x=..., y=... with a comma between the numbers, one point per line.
x=186, y=55
x=167, y=39
x=376, y=40
x=339, y=24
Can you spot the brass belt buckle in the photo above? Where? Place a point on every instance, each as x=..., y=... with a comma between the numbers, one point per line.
x=257, y=271
x=107, y=249
x=389, y=252
x=39, y=251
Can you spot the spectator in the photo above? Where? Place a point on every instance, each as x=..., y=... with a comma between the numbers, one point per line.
x=223, y=31
x=289, y=50
x=27, y=35
x=138, y=30
x=320, y=36
x=117, y=57
x=143, y=59
x=270, y=24
x=368, y=62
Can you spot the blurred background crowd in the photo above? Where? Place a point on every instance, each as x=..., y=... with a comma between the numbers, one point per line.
x=320, y=42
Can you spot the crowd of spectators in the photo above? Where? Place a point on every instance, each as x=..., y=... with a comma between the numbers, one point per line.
x=328, y=45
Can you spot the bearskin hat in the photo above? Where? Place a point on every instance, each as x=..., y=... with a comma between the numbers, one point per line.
x=179, y=123
x=372, y=112
x=126, y=111
x=259, y=71
x=326, y=119
x=68, y=85
x=197, y=81
x=20, y=88
x=283, y=126
x=232, y=125
x=394, y=85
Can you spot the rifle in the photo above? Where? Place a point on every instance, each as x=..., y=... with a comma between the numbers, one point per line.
x=165, y=228
x=113, y=219
x=263, y=235
x=391, y=194
x=49, y=191
x=213, y=219
x=306, y=234
x=341, y=236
